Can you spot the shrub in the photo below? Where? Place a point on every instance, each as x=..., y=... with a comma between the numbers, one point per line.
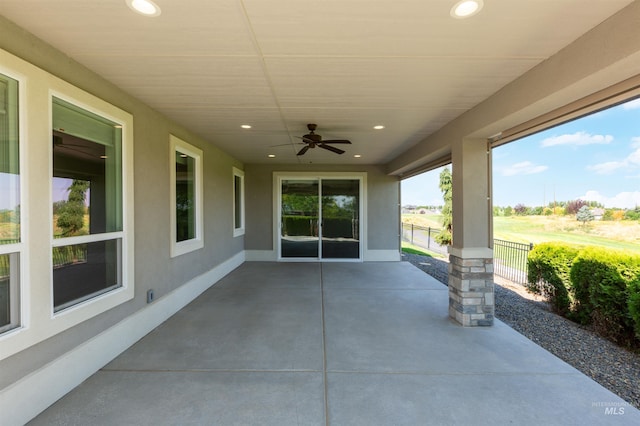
x=549, y=265
x=602, y=279
x=634, y=304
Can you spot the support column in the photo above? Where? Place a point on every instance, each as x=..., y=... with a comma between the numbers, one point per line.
x=471, y=297
x=471, y=287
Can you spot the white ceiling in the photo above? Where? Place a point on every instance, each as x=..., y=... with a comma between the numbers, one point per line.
x=347, y=65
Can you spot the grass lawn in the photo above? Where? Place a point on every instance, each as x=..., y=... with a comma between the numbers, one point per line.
x=411, y=249
x=620, y=235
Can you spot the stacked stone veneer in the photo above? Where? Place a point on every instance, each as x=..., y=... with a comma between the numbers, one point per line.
x=471, y=297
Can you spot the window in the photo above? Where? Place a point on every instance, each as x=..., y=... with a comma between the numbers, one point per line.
x=87, y=204
x=10, y=238
x=238, y=202
x=66, y=226
x=186, y=197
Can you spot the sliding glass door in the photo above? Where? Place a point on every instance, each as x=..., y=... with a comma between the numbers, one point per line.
x=299, y=234
x=320, y=218
x=340, y=219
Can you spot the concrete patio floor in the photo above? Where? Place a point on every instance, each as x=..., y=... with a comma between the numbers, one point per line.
x=339, y=344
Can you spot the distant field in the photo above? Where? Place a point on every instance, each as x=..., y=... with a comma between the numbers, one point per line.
x=9, y=231
x=621, y=235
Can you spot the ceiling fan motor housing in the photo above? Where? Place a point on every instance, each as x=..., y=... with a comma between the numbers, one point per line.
x=312, y=140
x=313, y=137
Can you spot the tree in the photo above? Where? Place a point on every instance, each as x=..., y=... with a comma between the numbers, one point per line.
x=520, y=209
x=584, y=215
x=446, y=186
x=608, y=215
x=574, y=206
x=508, y=211
x=632, y=214
x=71, y=212
x=536, y=211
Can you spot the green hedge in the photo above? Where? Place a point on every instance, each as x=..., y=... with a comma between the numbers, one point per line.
x=549, y=265
x=308, y=225
x=300, y=225
x=606, y=277
x=590, y=285
x=634, y=305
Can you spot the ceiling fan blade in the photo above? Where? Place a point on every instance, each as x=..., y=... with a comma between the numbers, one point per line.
x=331, y=148
x=287, y=144
x=79, y=151
x=338, y=141
x=303, y=150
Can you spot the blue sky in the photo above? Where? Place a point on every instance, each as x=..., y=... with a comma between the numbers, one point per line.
x=595, y=158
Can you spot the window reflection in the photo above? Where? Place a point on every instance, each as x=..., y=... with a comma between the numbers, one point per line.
x=299, y=221
x=9, y=162
x=87, y=201
x=185, y=197
x=83, y=271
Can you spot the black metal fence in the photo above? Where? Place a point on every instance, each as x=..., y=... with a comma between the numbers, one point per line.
x=422, y=237
x=509, y=258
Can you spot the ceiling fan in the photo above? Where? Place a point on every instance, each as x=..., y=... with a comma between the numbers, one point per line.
x=75, y=147
x=312, y=140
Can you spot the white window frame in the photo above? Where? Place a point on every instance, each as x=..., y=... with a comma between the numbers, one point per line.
x=16, y=251
x=179, y=248
x=238, y=230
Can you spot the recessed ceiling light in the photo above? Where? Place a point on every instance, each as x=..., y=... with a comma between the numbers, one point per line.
x=271, y=156
x=357, y=155
x=246, y=126
x=144, y=7
x=378, y=127
x=466, y=8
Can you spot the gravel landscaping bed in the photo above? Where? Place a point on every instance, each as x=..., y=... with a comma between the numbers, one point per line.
x=615, y=368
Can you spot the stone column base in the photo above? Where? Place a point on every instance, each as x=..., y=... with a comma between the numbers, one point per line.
x=471, y=297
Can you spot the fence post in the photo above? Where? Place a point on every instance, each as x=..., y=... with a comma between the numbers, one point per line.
x=429, y=237
x=412, y=234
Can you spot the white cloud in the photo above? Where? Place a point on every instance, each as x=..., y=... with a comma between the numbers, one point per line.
x=634, y=104
x=631, y=161
x=608, y=167
x=577, y=139
x=622, y=200
x=523, y=168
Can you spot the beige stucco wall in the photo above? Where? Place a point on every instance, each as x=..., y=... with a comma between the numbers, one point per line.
x=154, y=268
x=383, y=210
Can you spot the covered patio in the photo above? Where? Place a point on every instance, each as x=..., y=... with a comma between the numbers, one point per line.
x=334, y=343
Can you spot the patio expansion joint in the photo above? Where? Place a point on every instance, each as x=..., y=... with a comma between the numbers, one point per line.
x=324, y=351
x=207, y=370
x=455, y=373
x=387, y=289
